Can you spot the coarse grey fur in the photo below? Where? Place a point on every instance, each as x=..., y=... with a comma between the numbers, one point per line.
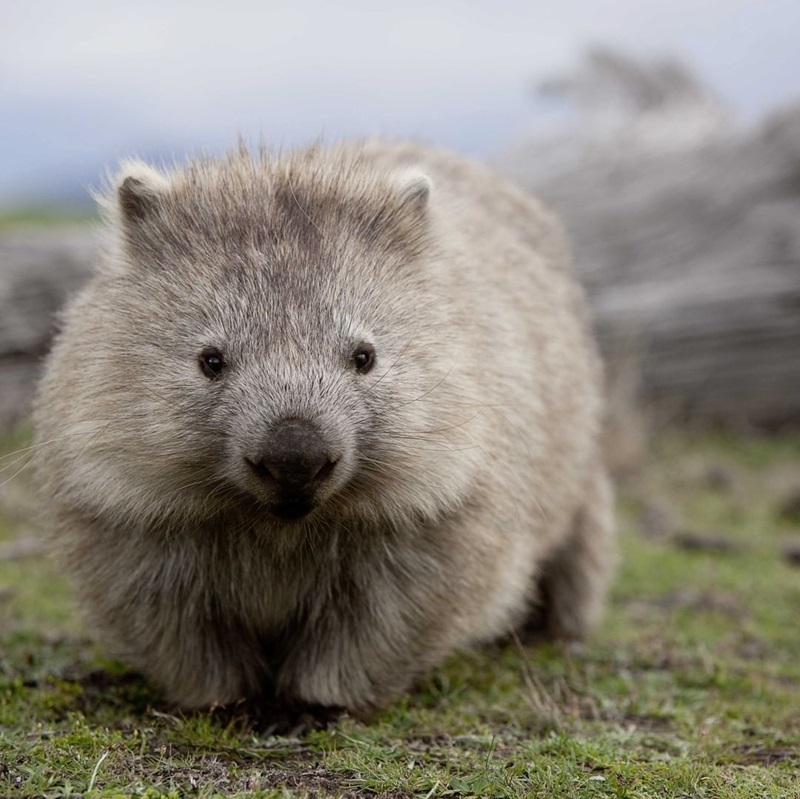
x=465, y=474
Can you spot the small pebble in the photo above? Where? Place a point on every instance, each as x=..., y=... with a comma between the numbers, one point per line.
x=791, y=552
x=790, y=507
x=703, y=541
x=718, y=477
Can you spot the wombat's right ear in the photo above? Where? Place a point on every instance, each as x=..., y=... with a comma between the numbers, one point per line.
x=139, y=189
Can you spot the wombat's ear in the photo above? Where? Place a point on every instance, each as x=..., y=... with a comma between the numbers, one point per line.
x=139, y=190
x=415, y=189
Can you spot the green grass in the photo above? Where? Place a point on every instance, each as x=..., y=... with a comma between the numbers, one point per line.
x=689, y=689
x=46, y=215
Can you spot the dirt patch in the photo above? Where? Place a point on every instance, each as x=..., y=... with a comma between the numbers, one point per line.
x=656, y=521
x=724, y=602
x=789, y=509
x=758, y=754
x=319, y=783
x=228, y=777
x=704, y=541
x=791, y=552
x=647, y=723
x=718, y=477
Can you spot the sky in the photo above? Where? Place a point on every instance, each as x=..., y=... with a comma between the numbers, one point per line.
x=86, y=83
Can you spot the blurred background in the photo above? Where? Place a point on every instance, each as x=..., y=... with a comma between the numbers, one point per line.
x=86, y=82
x=666, y=134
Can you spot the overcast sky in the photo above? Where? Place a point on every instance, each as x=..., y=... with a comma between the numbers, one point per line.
x=86, y=82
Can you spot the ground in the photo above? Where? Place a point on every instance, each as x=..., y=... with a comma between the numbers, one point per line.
x=689, y=689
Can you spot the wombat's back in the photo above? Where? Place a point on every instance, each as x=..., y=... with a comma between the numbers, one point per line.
x=526, y=349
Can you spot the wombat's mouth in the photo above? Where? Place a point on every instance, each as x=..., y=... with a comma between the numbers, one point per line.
x=292, y=509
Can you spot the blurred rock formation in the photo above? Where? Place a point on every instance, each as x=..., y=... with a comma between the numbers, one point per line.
x=686, y=227
x=39, y=269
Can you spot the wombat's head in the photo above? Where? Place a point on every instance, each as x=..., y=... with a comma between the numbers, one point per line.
x=265, y=335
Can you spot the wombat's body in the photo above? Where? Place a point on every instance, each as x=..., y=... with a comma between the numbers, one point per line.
x=314, y=425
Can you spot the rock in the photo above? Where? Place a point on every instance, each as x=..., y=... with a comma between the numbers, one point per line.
x=791, y=552
x=790, y=507
x=39, y=269
x=696, y=541
x=686, y=228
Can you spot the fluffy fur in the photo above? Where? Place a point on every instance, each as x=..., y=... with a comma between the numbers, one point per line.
x=468, y=486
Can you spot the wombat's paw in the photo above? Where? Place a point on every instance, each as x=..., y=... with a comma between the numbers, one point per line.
x=533, y=631
x=542, y=626
x=290, y=719
x=295, y=720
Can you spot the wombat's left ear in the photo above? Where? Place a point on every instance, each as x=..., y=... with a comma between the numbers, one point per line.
x=139, y=190
x=415, y=189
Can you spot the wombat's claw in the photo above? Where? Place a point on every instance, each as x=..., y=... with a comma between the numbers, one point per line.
x=295, y=721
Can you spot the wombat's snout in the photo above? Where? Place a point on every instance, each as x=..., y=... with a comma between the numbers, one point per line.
x=294, y=461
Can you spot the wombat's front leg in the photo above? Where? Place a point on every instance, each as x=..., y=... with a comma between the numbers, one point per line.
x=364, y=652
x=234, y=676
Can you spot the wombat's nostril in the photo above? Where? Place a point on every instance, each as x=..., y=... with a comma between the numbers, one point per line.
x=294, y=457
x=300, y=472
x=325, y=470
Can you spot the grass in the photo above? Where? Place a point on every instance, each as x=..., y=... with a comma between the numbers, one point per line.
x=689, y=689
x=46, y=215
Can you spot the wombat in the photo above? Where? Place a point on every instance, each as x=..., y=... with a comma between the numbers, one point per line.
x=320, y=419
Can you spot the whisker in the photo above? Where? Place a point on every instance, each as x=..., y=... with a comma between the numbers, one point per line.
x=425, y=394
x=18, y=472
x=402, y=352
x=40, y=444
x=303, y=210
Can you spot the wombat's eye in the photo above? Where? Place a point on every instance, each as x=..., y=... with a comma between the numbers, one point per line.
x=212, y=363
x=363, y=357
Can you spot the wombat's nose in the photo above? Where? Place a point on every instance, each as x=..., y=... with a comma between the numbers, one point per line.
x=294, y=457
